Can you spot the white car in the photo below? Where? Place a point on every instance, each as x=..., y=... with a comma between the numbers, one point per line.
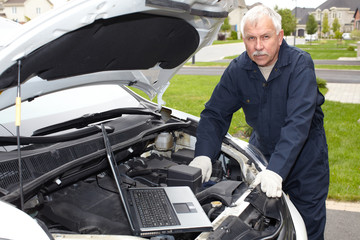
x=82, y=136
x=311, y=37
x=346, y=36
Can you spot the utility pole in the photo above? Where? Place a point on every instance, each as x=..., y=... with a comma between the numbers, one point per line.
x=295, y=22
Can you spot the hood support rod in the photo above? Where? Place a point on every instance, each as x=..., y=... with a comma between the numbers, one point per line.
x=17, y=124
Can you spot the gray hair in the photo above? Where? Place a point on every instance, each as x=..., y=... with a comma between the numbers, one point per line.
x=255, y=13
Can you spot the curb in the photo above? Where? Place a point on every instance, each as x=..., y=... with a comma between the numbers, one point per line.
x=343, y=206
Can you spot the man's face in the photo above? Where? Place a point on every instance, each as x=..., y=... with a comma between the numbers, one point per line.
x=261, y=42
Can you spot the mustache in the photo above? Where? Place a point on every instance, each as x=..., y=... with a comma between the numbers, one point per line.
x=258, y=53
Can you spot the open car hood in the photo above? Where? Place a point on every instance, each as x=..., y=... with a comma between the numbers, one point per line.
x=141, y=43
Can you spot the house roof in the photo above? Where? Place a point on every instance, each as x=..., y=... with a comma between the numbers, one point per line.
x=302, y=14
x=9, y=2
x=352, y=4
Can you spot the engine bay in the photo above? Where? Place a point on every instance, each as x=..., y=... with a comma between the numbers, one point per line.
x=84, y=199
x=93, y=206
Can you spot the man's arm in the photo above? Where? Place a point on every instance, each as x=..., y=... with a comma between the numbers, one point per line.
x=216, y=117
x=301, y=105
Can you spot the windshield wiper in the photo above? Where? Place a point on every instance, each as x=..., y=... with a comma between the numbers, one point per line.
x=12, y=140
x=85, y=120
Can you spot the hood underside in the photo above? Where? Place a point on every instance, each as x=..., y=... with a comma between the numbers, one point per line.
x=106, y=45
x=141, y=43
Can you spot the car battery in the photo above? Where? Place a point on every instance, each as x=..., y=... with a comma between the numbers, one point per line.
x=184, y=175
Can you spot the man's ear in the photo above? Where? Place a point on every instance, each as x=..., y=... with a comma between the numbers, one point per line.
x=281, y=36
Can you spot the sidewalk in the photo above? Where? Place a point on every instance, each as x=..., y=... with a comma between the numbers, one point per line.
x=343, y=92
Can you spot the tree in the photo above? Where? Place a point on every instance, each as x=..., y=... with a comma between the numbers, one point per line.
x=311, y=25
x=225, y=27
x=336, y=25
x=325, y=24
x=336, y=29
x=288, y=21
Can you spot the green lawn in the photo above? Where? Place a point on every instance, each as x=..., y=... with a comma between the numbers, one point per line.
x=189, y=94
x=342, y=132
x=331, y=54
x=216, y=42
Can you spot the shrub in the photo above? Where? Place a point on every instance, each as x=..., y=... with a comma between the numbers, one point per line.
x=338, y=35
x=350, y=48
x=321, y=83
x=234, y=35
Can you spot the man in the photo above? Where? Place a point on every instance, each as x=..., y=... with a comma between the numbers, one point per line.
x=275, y=84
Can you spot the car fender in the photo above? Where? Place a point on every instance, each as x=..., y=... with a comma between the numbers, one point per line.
x=17, y=225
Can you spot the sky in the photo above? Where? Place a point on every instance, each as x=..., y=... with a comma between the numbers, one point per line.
x=290, y=4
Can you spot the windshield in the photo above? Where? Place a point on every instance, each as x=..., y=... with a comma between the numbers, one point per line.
x=62, y=106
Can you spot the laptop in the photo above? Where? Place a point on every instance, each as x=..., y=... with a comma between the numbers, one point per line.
x=158, y=210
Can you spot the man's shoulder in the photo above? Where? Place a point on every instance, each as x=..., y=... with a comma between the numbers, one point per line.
x=242, y=61
x=295, y=55
x=296, y=52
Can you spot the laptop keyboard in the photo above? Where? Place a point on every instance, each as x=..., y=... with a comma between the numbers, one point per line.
x=154, y=207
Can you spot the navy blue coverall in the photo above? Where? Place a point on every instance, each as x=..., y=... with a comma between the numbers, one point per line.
x=287, y=120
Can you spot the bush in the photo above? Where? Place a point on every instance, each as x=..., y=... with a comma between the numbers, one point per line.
x=338, y=35
x=321, y=83
x=350, y=48
x=234, y=35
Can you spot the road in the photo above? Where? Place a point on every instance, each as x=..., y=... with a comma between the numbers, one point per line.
x=339, y=76
x=331, y=76
x=342, y=225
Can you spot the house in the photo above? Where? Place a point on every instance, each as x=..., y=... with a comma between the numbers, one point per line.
x=236, y=15
x=24, y=10
x=2, y=14
x=302, y=15
x=343, y=10
x=357, y=18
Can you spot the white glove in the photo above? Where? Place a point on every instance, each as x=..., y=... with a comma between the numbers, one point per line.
x=204, y=163
x=271, y=183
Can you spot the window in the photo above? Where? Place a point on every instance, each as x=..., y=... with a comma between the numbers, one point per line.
x=38, y=10
x=13, y=10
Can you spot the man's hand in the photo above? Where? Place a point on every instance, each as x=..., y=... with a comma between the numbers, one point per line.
x=204, y=163
x=271, y=183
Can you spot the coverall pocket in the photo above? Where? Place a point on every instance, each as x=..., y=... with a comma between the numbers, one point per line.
x=250, y=106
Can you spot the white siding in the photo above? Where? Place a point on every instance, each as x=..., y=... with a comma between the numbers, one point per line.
x=29, y=9
x=34, y=8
